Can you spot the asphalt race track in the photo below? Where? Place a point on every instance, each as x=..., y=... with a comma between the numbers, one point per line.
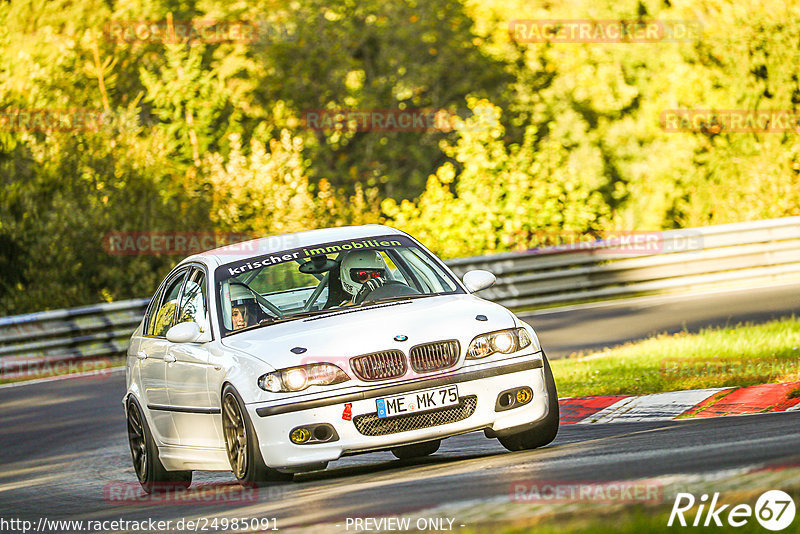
x=63, y=443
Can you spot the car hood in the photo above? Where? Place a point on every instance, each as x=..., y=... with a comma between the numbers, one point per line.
x=340, y=335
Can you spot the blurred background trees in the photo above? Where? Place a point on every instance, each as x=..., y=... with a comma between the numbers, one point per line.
x=209, y=135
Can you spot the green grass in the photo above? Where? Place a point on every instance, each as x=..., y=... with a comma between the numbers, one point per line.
x=630, y=521
x=743, y=355
x=634, y=519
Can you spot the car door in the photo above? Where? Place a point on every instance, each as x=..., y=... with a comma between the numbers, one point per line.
x=188, y=367
x=152, y=352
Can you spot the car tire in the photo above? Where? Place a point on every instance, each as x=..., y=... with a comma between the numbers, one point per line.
x=241, y=443
x=417, y=450
x=544, y=431
x=148, y=467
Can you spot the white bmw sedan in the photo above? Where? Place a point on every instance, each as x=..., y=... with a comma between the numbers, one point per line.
x=279, y=355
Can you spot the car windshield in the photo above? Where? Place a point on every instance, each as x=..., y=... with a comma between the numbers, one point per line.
x=319, y=279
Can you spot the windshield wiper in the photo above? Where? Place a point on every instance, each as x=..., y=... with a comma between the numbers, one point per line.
x=274, y=320
x=292, y=317
x=308, y=313
x=398, y=298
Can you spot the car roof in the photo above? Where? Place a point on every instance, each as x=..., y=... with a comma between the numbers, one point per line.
x=278, y=243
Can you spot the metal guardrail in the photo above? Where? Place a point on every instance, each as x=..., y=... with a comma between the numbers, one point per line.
x=660, y=261
x=42, y=339
x=628, y=264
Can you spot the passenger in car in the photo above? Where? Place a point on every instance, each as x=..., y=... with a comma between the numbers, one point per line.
x=244, y=309
x=239, y=317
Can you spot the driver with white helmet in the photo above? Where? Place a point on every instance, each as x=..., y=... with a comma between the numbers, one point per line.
x=362, y=271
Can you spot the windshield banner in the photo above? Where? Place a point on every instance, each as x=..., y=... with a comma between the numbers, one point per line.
x=302, y=253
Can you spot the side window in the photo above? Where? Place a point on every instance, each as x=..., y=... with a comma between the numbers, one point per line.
x=394, y=273
x=150, y=312
x=193, y=300
x=431, y=276
x=165, y=313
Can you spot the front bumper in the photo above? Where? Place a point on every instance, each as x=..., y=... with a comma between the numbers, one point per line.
x=484, y=381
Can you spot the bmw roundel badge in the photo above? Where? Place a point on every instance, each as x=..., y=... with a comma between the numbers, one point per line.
x=400, y=338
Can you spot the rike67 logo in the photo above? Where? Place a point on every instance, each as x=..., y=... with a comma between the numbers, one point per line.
x=774, y=510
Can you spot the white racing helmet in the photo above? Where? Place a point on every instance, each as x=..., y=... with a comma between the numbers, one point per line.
x=358, y=266
x=240, y=295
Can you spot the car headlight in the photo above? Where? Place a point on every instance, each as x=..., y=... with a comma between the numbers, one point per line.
x=504, y=341
x=301, y=377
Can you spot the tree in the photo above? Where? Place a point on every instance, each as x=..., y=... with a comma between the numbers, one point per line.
x=503, y=198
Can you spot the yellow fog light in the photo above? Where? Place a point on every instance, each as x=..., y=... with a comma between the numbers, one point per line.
x=523, y=396
x=300, y=435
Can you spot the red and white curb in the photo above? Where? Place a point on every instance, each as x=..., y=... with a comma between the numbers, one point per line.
x=665, y=406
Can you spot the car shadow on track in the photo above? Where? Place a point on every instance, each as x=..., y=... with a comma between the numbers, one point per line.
x=472, y=446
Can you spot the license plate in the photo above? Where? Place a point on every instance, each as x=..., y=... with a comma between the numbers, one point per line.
x=419, y=401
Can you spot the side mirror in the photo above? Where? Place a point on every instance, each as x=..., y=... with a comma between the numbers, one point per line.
x=478, y=279
x=188, y=332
